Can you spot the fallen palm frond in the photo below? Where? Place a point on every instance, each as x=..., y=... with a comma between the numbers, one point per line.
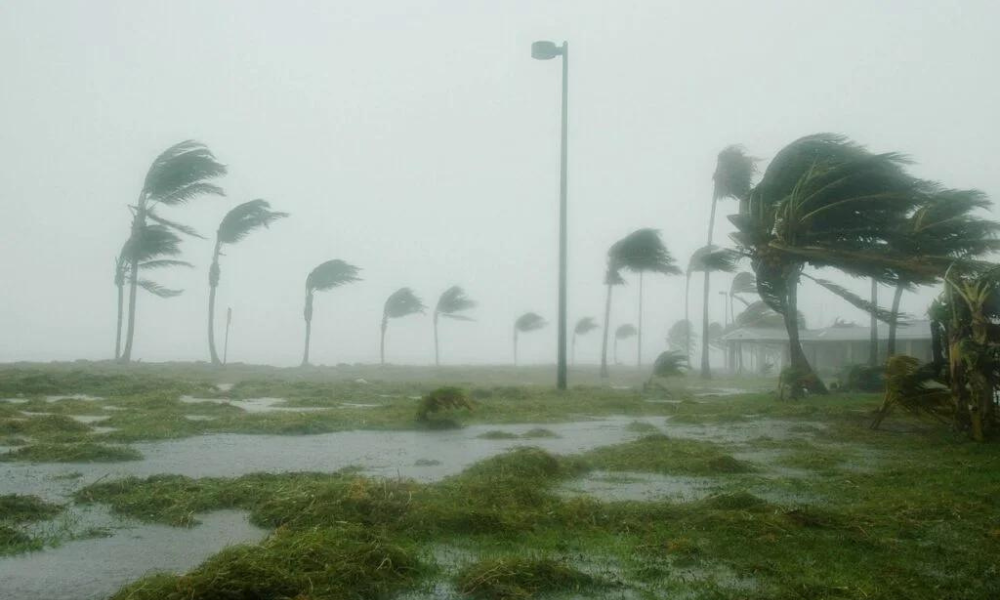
x=912, y=386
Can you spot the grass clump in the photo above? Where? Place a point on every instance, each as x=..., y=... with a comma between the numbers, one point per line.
x=72, y=453
x=539, y=433
x=342, y=562
x=42, y=426
x=658, y=453
x=14, y=541
x=18, y=508
x=440, y=400
x=426, y=462
x=496, y=434
x=515, y=577
x=641, y=427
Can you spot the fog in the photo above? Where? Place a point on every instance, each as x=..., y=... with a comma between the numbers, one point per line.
x=420, y=142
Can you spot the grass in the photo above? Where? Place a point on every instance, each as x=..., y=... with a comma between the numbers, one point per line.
x=18, y=508
x=81, y=452
x=658, y=453
x=516, y=577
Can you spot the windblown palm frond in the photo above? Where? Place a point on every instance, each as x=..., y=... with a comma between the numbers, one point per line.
x=671, y=363
x=642, y=251
x=453, y=301
x=158, y=290
x=712, y=259
x=401, y=303
x=677, y=336
x=759, y=315
x=912, y=386
x=625, y=331
x=243, y=219
x=743, y=283
x=585, y=326
x=882, y=314
x=153, y=241
x=180, y=173
x=734, y=172
x=529, y=321
x=165, y=263
x=331, y=274
x=152, y=215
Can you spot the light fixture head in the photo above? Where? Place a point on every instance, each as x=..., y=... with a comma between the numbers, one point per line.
x=545, y=50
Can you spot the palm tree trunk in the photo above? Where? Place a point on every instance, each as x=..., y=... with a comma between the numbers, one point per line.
x=687, y=320
x=225, y=348
x=604, y=342
x=796, y=357
x=307, y=313
x=706, y=371
x=616, y=350
x=515, y=346
x=638, y=361
x=890, y=349
x=573, y=350
x=213, y=284
x=437, y=355
x=385, y=325
x=138, y=224
x=121, y=309
x=873, y=331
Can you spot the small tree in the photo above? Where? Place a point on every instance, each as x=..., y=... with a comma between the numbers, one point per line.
x=329, y=275
x=450, y=305
x=401, y=303
x=583, y=327
x=623, y=332
x=526, y=323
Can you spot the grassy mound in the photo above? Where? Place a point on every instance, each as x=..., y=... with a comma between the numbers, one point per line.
x=518, y=577
x=71, y=453
x=17, y=508
x=658, y=453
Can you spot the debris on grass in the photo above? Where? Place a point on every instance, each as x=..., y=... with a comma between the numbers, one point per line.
x=516, y=577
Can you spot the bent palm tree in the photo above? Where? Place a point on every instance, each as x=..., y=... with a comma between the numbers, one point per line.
x=733, y=178
x=179, y=174
x=623, y=332
x=401, y=303
x=329, y=275
x=526, y=323
x=452, y=302
x=611, y=278
x=671, y=363
x=235, y=226
x=705, y=260
x=583, y=327
x=642, y=251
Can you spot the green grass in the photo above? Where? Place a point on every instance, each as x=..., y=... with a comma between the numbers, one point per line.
x=81, y=452
x=658, y=453
x=18, y=508
x=516, y=577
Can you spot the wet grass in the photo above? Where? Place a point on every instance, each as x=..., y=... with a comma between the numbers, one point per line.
x=658, y=453
x=517, y=577
x=18, y=508
x=82, y=452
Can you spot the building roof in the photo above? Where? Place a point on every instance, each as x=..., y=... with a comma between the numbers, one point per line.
x=914, y=330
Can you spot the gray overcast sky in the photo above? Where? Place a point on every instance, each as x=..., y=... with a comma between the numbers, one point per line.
x=419, y=141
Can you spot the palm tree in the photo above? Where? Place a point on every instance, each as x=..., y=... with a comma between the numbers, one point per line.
x=679, y=335
x=583, y=327
x=451, y=303
x=155, y=243
x=705, y=260
x=328, y=275
x=733, y=177
x=181, y=173
x=623, y=333
x=672, y=363
x=236, y=225
x=526, y=323
x=827, y=202
x=642, y=251
x=401, y=303
x=743, y=283
x=611, y=278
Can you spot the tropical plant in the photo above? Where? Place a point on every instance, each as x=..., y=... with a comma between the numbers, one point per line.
x=705, y=260
x=642, y=251
x=235, y=226
x=733, y=178
x=440, y=400
x=401, y=303
x=181, y=173
x=583, y=327
x=679, y=335
x=526, y=323
x=612, y=277
x=623, y=332
x=155, y=243
x=450, y=305
x=671, y=363
x=326, y=276
x=913, y=387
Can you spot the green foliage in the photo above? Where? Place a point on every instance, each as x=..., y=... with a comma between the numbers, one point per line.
x=244, y=219
x=440, y=400
x=17, y=508
x=623, y=332
x=518, y=577
x=454, y=301
x=657, y=453
x=862, y=378
x=180, y=173
x=678, y=334
x=672, y=363
x=528, y=322
x=641, y=251
x=734, y=172
x=71, y=453
x=585, y=325
x=712, y=258
x=401, y=303
x=331, y=274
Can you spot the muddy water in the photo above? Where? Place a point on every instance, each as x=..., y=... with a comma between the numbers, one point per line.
x=641, y=487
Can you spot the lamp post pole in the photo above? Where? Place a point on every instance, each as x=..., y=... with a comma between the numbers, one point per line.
x=547, y=51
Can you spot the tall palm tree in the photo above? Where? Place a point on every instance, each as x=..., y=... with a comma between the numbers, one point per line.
x=583, y=327
x=181, y=173
x=526, y=323
x=235, y=226
x=827, y=202
x=326, y=276
x=623, y=332
x=642, y=251
x=450, y=305
x=733, y=178
x=401, y=303
x=612, y=277
x=155, y=243
x=705, y=260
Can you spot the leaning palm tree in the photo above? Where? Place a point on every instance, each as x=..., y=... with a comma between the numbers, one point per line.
x=705, y=260
x=401, y=303
x=526, y=323
x=612, y=277
x=329, y=275
x=235, y=226
x=583, y=327
x=155, y=243
x=623, y=332
x=672, y=363
x=181, y=173
x=643, y=251
x=450, y=305
x=733, y=178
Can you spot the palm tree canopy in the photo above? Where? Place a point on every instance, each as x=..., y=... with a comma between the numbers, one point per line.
x=946, y=225
x=677, y=336
x=529, y=321
x=642, y=251
x=331, y=274
x=625, y=331
x=734, y=172
x=243, y=219
x=453, y=301
x=401, y=303
x=715, y=333
x=743, y=283
x=585, y=326
x=153, y=241
x=670, y=363
x=760, y=316
x=712, y=258
x=180, y=173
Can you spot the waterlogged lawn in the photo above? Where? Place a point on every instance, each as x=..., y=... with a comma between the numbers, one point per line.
x=780, y=500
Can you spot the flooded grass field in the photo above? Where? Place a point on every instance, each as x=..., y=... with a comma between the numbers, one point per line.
x=184, y=482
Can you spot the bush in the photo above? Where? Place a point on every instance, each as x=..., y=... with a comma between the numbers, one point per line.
x=441, y=399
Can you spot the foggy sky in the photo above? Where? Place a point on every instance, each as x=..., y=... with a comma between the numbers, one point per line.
x=419, y=141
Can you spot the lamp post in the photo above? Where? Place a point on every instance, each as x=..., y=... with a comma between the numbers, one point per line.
x=548, y=51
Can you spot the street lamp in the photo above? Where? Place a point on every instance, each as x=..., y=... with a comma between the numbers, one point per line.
x=547, y=51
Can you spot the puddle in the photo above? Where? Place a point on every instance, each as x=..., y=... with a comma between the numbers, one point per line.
x=254, y=405
x=93, y=569
x=15, y=400
x=73, y=397
x=88, y=419
x=722, y=392
x=29, y=413
x=642, y=487
x=742, y=431
x=200, y=417
x=224, y=387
